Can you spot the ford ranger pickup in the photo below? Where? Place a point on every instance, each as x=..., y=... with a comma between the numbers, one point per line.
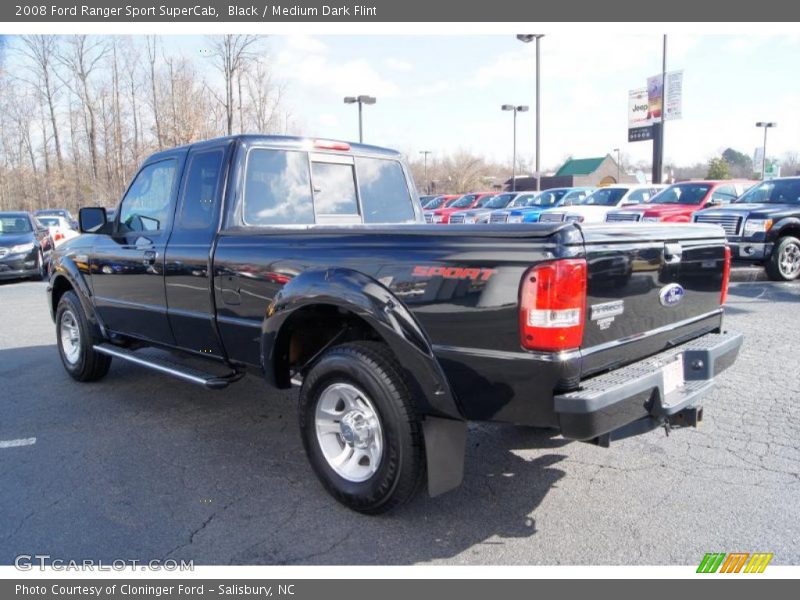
x=308, y=263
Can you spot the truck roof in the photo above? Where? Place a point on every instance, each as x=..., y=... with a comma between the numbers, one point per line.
x=290, y=143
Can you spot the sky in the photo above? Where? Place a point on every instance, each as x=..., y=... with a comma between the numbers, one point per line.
x=444, y=93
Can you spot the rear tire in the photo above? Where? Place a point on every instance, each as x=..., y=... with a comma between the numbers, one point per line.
x=784, y=263
x=360, y=431
x=76, y=340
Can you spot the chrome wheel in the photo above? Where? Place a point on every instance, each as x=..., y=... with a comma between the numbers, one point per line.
x=70, y=337
x=789, y=261
x=349, y=432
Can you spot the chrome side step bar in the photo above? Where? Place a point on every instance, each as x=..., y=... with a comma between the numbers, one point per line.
x=186, y=373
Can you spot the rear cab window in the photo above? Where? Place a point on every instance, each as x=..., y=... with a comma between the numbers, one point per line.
x=295, y=187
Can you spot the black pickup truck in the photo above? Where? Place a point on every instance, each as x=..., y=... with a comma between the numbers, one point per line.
x=309, y=263
x=763, y=226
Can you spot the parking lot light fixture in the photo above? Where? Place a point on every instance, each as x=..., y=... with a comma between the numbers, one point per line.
x=515, y=110
x=425, y=154
x=527, y=38
x=361, y=101
x=766, y=125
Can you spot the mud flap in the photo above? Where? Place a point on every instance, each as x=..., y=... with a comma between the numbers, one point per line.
x=445, y=449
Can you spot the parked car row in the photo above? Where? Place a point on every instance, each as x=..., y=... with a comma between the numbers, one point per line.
x=761, y=220
x=27, y=240
x=581, y=204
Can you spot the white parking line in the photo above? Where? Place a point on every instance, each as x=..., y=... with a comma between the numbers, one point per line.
x=15, y=443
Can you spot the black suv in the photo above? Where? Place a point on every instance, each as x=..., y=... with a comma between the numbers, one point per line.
x=763, y=226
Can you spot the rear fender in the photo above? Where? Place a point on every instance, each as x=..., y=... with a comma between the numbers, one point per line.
x=444, y=427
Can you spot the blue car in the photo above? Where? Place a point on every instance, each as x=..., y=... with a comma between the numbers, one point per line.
x=551, y=198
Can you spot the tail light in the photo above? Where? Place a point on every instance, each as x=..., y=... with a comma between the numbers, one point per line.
x=552, y=305
x=58, y=236
x=726, y=276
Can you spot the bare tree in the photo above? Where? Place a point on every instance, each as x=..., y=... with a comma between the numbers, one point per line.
x=265, y=99
x=82, y=57
x=41, y=50
x=152, y=46
x=230, y=53
x=75, y=119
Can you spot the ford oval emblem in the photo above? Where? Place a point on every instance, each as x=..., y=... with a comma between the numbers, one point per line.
x=671, y=295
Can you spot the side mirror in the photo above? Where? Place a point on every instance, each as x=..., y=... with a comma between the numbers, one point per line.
x=92, y=219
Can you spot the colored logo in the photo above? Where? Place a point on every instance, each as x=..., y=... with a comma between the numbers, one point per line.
x=671, y=294
x=735, y=562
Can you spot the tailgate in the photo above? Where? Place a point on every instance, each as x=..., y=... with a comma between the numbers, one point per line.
x=651, y=287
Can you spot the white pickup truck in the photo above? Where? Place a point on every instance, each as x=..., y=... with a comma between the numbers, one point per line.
x=595, y=206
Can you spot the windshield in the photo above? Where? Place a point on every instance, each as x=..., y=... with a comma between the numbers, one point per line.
x=11, y=224
x=603, y=197
x=484, y=201
x=682, y=193
x=550, y=198
x=50, y=221
x=464, y=201
x=434, y=203
x=776, y=191
x=522, y=200
x=499, y=201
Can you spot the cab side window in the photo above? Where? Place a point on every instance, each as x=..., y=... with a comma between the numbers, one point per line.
x=384, y=191
x=277, y=189
x=148, y=204
x=201, y=190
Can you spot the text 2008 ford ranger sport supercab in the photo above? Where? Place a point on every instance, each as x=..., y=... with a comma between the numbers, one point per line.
x=309, y=261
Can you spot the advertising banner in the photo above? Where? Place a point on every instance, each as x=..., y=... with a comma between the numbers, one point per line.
x=673, y=104
x=639, y=128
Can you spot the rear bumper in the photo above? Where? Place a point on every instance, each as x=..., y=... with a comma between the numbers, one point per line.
x=632, y=399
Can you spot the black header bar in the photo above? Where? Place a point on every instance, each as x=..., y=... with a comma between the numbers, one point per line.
x=495, y=11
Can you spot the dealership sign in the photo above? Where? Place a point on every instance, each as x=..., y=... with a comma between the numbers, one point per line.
x=639, y=123
x=652, y=104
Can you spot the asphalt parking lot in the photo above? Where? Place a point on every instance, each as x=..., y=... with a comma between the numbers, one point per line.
x=140, y=466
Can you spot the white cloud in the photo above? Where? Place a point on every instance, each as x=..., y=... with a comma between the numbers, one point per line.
x=397, y=64
x=328, y=120
x=337, y=77
x=305, y=43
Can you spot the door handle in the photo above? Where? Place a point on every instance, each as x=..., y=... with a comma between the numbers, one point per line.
x=150, y=257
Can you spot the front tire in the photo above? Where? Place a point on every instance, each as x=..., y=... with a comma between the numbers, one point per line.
x=76, y=341
x=359, y=428
x=784, y=263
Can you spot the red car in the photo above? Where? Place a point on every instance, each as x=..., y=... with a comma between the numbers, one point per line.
x=438, y=202
x=678, y=202
x=465, y=202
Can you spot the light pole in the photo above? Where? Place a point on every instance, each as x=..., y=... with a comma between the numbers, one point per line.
x=766, y=125
x=425, y=155
x=515, y=109
x=527, y=38
x=361, y=100
x=617, y=151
